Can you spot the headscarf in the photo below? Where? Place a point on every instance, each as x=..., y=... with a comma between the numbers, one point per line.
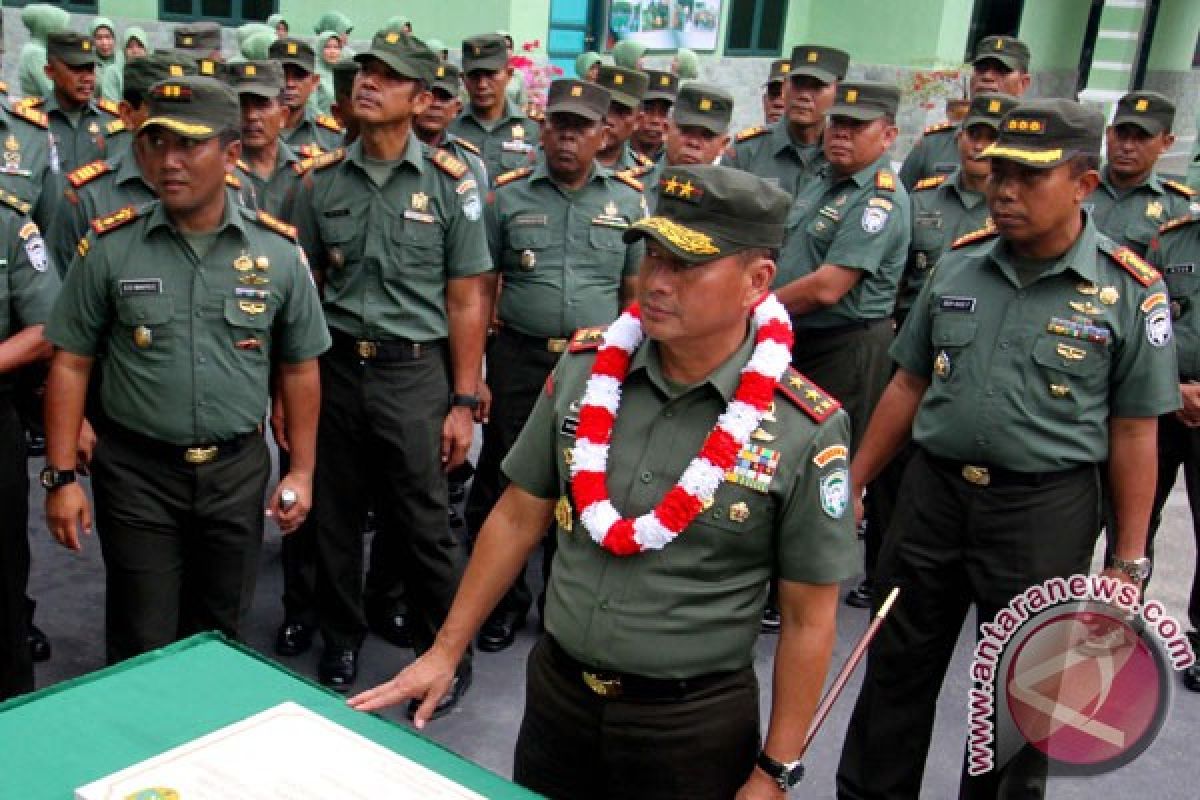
x=396, y=25
x=40, y=20
x=275, y=19
x=687, y=65
x=584, y=62
x=628, y=53
x=334, y=21
x=322, y=99
x=112, y=81
x=254, y=41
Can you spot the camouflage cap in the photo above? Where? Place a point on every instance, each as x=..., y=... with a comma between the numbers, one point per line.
x=487, y=51
x=262, y=78
x=1008, y=50
x=988, y=108
x=296, y=52
x=71, y=48
x=573, y=96
x=703, y=105
x=706, y=212
x=865, y=100
x=448, y=78
x=826, y=64
x=404, y=54
x=198, y=37
x=194, y=107
x=1046, y=133
x=661, y=85
x=625, y=85
x=140, y=74
x=1152, y=112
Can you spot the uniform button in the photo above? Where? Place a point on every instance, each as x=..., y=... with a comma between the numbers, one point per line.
x=668, y=413
x=991, y=392
x=980, y=440
x=604, y=605
x=1004, y=345
x=199, y=313
x=201, y=360
x=647, y=477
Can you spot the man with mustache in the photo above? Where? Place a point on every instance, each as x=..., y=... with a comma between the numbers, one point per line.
x=268, y=163
x=626, y=87
x=789, y=152
x=432, y=125
x=650, y=129
x=305, y=131
x=82, y=128
x=555, y=232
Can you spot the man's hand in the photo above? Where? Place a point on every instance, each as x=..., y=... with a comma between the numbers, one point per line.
x=457, y=432
x=67, y=510
x=427, y=679
x=760, y=786
x=85, y=445
x=278, y=423
x=293, y=516
x=1189, y=415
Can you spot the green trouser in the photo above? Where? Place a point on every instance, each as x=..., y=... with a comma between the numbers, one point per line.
x=180, y=541
x=16, y=668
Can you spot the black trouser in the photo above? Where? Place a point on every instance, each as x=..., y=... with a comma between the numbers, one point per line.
x=16, y=668
x=953, y=544
x=517, y=369
x=575, y=745
x=1179, y=445
x=379, y=445
x=180, y=541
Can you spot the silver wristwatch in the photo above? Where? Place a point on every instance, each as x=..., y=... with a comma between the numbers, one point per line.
x=1138, y=569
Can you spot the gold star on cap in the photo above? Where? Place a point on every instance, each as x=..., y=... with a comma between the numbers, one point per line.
x=618, y=80
x=576, y=91
x=705, y=104
x=664, y=80
x=852, y=96
x=441, y=72
x=994, y=107
x=812, y=56
x=785, y=67
x=85, y=44
x=1141, y=105
x=477, y=50
x=251, y=70
x=392, y=38
x=187, y=41
x=175, y=71
x=292, y=48
x=999, y=44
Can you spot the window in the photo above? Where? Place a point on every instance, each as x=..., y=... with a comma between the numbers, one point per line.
x=991, y=17
x=78, y=6
x=755, y=27
x=230, y=12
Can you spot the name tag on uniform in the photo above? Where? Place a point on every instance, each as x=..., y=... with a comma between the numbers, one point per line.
x=418, y=216
x=610, y=222
x=1180, y=269
x=531, y=220
x=928, y=219
x=336, y=212
x=945, y=167
x=139, y=286
x=516, y=146
x=963, y=305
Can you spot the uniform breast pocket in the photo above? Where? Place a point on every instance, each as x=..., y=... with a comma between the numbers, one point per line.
x=145, y=322
x=248, y=323
x=606, y=237
x=927, y=243
x=952, y=335
x=513, y=156
x=821, y=231
x=343, y=241
x=528, y=248
x=1183, y=285
x=421, y=243
x=1069, y=373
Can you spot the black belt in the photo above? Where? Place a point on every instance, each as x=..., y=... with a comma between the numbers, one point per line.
x=838, y=330
x=613, y=685
x=382, y=350
x=551, y=344
x=194, y=455
x=998, y=477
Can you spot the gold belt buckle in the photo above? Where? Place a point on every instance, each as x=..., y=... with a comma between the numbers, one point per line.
x=366, y=349
x=200, y=455
x=605, y=687
x=976, y=475
x=556, y=345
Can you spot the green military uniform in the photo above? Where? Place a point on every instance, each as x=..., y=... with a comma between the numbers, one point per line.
x=28, y=171
x=386, y=239
x=275, y=193
x=626, y=88
x=504, y=143
x=675, y=629
x=315, y=133
x=1027, y=363
x=661, y=87
x=448, y=78
x=771, y=152
x=190, y=330
x=91, y=132
x=27, y=290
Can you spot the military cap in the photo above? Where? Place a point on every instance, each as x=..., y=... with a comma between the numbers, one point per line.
x=262, y=78
x=71, y=48
x=1150, y=111
x=438, y=46
x=448, y=78
x=703, y=105
x=780, y=69
x=195, y=107
x=661, y=85
x=140, y=74
x=826, y=64
x=343, y=77
x=707, y=212
x=988, y=108
x=865, y=100
x=198, y=37
x=625, y=85
x=404, y=54
x=573, y=96
x=296, y=52
x=1008, y=50
x=487, y=51
x=1046, y=133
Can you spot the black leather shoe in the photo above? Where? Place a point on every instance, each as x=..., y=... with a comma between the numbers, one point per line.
x=1191, y=678
x=500, y=631
x=458, y=687
x=39, y=644
x=293, y=638
x=771, y=620
x=338, y=668
x=392, y=628
x=860, y=596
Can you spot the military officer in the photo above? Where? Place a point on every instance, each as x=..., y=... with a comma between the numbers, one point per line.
x=82, y=128
x=697, y=133
x=343, y=107
x=650, y=130
x=1001, y=64
x=502, y=133
x=626, y=87
x=395, y=232
x=432, y=125
x=773, y=104
x=29, y=172
x=555, y=233
x=1012, y=401
x=1176, y=251
x=28, y=286
x=643, y=685
x=268, y=164
x=1132, y=201
x=789, y=152
x=190, y=331
x=201, y=40
x=305, y=131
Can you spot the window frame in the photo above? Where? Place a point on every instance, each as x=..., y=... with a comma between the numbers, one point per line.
x=238, y=17
x=755, y=51
x=74, y=6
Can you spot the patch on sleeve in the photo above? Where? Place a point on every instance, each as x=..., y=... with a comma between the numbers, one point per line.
x=35, y=248
x=874, y=219
x=830, y=454
x=1158, y=327
x=835, y=493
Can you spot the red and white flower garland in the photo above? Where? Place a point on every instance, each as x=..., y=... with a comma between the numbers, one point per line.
x=698, y=483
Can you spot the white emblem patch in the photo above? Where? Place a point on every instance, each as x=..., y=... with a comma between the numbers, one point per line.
x=35, y=248
x=873, y=219
x=472, y=207
x=835, y=493
x=1158, y=327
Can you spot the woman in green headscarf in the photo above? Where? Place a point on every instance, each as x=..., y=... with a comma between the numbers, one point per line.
x=587, y=65
x=254, y=39
x=280, y=25
x=110, y=60
x=40, y=20
x=329, y=51
x=686, y=65
x=397, y=24
x=628, y=53
x=134, y=44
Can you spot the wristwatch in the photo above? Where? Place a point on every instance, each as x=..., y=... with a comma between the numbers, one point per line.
x=1138, y=569
x=52, y=478
x=785, y=775
x=470, y=401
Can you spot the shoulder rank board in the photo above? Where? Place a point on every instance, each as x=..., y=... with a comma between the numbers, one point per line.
x=277, y=225
x=448, y=163
x=109, y=223
x=106, y=105
x=11, y=200
x=932, y=182
x=751, y=133
x=938, y=128
x=1131, y=262
x=232, y=181
x=319, y=161
x=1178, y=222
x=983, y=234
x=329, y=123
x=467, y=145
x=115, y=127
x=512, y=175
x=630, y=177
x=807, y=396
x=30, y=115
x=885, y=179
x=88, y=173
x=1180, y=188
x=585, y=340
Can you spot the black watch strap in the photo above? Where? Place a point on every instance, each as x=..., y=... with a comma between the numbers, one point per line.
x=785, y=775
x=52, y=478
x=470, y=401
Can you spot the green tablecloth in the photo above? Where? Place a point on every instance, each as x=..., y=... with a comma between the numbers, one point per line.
x=65, y=736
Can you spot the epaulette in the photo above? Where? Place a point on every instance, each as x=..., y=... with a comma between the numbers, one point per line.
x=109, y=223
x=11, y=200
x=585, y=340
x=885, y=179
x=932, y=182
x=30, y=115
x=629, y=177
x=320, y=161
x=751, y=133
x=310, y=150
x=115, y=126
x=30, y=102
x=243, y=166
x=232, y=181
x=1182, y=189
x=3, y=87
x=448, y=163
x=512, y=175
x=276, y=224
x=1130, y=261
x=88, y=173
x=471, y=146
x=535, y=114
x=642, y=159
x=807, y=396
x=983, y=234
x=104, y=104
x=329, y=123
x=941, y=126
x=1178, y=222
